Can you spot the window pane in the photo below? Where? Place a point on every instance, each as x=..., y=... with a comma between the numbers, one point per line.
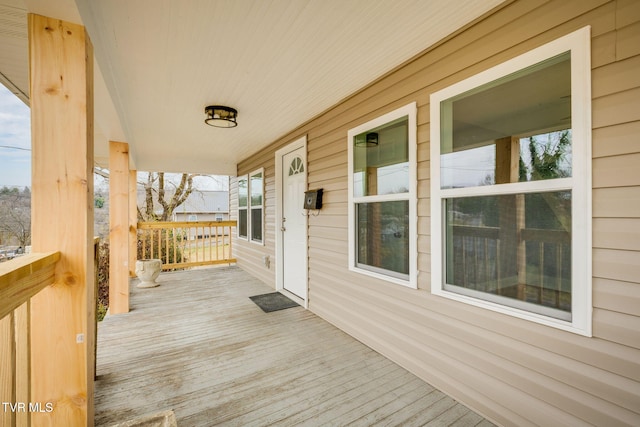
x=256, y=225
x=382, y=236
x=381, y=160
x=256, y=189
x=527, y=112
x=468, y=168
x=242, y=193
x=242, y=223
x=516, y=247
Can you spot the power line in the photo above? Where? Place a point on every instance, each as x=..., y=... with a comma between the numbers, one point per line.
x=15, y=148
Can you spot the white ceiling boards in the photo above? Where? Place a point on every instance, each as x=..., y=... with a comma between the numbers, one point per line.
x=279, y=63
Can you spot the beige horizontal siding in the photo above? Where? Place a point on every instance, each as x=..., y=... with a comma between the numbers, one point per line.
x=616, y=264
x=616, y=77
x=616, y=233
x=616, y=202
x=510, y=370
x=616, y=140
x=616, y=171
x=618, y=296
x=617, y=108
x=627, y=43
x=617, y=327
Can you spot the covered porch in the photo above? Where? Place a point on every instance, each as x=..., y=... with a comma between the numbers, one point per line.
x=199, y=346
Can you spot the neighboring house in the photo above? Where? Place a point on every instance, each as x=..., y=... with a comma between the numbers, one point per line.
x=544, y=330
x=201, y=205
x=204, y=206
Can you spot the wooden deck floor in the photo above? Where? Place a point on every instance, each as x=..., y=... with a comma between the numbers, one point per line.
x=198, y=345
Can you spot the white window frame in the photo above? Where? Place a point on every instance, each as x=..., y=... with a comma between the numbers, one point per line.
x=410, y=111
x=578, y=43
x=252, y=207
x=245, y=208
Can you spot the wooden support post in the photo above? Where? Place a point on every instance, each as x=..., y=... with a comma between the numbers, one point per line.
x=118, y=227
x=512, y=219
x=63, y=314
x=508, y=274
x=133, y=222
x=374, y=234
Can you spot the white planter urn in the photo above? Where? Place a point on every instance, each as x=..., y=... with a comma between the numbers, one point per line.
x=148, y=271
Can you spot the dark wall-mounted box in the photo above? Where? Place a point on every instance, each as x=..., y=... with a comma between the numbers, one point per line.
x=313, y=199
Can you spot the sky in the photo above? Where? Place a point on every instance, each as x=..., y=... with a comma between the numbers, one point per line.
x=15, y=131
x=15, y=146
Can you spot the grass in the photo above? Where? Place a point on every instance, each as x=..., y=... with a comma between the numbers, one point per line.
x=206, y=253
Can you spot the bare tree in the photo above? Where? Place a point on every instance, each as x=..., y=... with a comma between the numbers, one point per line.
x=15, y=216
x=155, y=189
x=164, y=192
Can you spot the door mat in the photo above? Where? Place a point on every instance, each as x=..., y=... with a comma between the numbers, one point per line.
x=273, y=302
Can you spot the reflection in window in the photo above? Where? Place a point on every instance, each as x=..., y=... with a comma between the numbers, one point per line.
x=256, y=189
x=242, y=223
x=381, y=166
x=545, y=156
x=513, y=246
x=383, y=240
x=256, y=225
x=468, y=168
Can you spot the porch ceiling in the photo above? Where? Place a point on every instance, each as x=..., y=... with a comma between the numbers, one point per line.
x=278, y=62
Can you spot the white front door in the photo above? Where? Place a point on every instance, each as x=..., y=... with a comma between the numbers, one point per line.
x=293, y=222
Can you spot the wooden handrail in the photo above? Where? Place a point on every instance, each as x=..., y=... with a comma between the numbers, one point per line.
x=184, y=224
x=23, y=277
x=186, y=244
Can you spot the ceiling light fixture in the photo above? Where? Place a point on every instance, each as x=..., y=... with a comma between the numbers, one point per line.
x=221, y=116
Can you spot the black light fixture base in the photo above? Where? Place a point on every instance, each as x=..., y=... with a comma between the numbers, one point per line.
x=221, y=116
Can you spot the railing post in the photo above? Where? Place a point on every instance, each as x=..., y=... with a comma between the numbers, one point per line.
x=23, y=359
x=7, y=368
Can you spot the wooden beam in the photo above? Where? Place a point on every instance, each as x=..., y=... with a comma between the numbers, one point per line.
x=504, y=157
x=63, y=314
x=118, y=227
x=133, y=222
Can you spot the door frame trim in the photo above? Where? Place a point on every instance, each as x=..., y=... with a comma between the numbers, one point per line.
x=295, y=145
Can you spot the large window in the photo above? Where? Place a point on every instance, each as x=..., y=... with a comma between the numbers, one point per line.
x=382, y=211
x=251, y=206
x=510, y=185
